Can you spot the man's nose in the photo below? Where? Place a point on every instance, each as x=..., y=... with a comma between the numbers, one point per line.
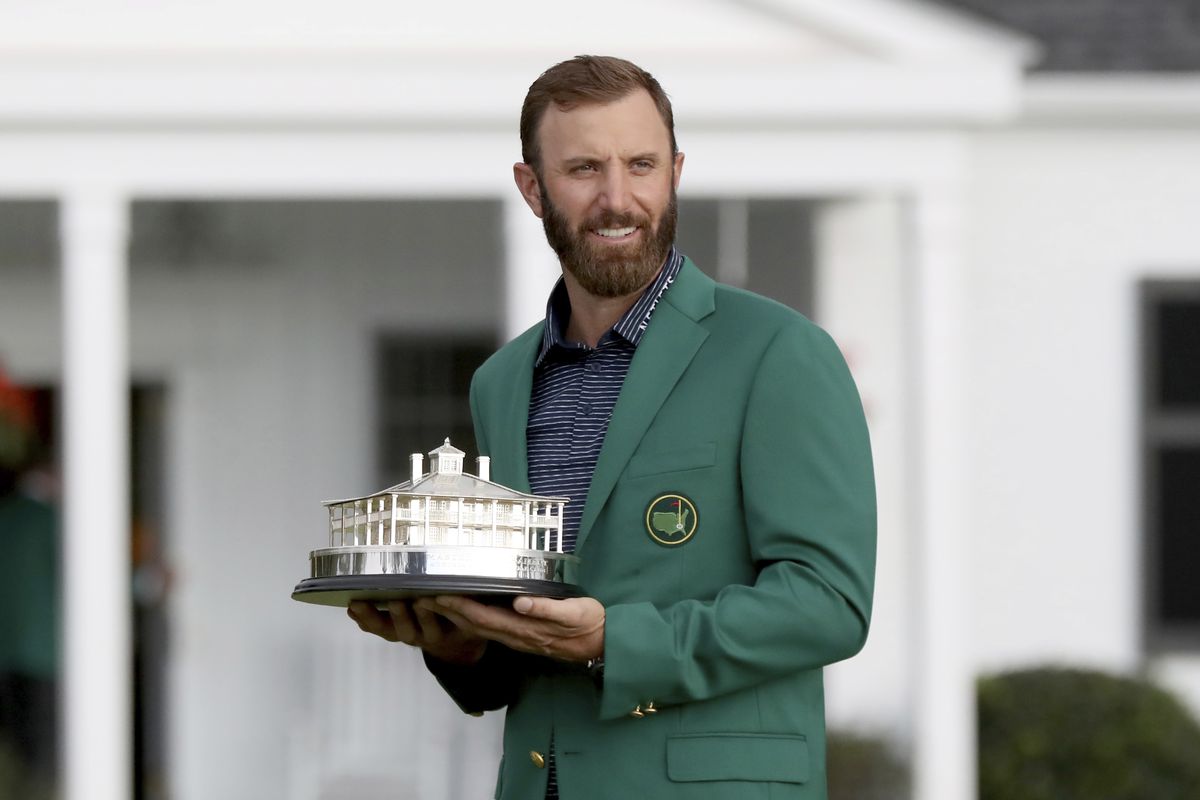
x=615, y=193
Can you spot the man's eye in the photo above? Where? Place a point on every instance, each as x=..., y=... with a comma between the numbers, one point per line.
x=582, y=168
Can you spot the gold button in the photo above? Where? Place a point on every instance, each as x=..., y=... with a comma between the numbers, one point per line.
x=650, y=709
x=637, y=713
x=538, y=759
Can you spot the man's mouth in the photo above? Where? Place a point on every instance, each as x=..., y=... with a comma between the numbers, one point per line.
x=614, y=233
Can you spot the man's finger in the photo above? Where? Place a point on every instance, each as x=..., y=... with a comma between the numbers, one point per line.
x=427, y=621
x=371, y=620
x=400, y=618
x=453, y=617
x=491, y=622
x=475, y=613
x=561, y=611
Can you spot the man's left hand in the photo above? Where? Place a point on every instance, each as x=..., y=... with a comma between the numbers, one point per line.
x=568, y=630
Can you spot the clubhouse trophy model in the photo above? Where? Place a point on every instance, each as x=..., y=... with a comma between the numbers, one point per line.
x=442, y=532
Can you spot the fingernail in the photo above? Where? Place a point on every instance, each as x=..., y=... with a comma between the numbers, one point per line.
x=522, y=605
x=443, y=600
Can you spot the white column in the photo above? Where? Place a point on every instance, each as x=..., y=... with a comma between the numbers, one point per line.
x=944, y=752
x=370, y=508
x=98, y=735
x=493, y=539
x=560, y=526
x=395, y=519
x=426, y=501
x=456, y=508
x=526, y=508
x=531, y=268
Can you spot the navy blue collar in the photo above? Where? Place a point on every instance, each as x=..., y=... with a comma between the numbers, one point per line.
x=630, y=327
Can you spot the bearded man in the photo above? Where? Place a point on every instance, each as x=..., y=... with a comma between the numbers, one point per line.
x=714, y=448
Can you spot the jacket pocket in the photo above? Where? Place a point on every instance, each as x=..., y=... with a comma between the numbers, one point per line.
x=696, y=456
x=737, y=757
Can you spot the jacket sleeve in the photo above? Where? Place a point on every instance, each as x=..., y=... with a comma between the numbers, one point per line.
x=809, y=517
x=486, y=686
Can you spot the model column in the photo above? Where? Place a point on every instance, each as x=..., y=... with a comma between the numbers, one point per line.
x=97, y=732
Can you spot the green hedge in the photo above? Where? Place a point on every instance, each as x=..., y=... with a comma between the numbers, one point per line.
x=1070, y=734
x=864, y=767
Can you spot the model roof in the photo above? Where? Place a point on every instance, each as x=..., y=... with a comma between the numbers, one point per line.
x=434, y=484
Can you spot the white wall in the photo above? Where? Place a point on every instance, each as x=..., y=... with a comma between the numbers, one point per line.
x=860, y=294
x=271, y=378
x=1063, y=222
x=269, y=382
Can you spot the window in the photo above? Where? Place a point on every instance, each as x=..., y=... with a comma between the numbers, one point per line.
x=766, y=245
x=1171, y=462
x=423, y=384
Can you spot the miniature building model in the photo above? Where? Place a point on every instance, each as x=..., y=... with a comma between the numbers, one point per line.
x=443, y=531
x=447, y=507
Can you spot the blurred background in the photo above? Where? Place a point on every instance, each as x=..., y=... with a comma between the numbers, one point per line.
x=250, y=254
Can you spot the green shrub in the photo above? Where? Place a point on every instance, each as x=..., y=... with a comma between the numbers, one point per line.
x=1069, y=734
x=863, y=767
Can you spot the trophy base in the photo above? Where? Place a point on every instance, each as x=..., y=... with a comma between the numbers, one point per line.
x=382, y=573
x=379, y=589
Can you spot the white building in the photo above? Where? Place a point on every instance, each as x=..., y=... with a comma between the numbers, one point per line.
x=260, y=210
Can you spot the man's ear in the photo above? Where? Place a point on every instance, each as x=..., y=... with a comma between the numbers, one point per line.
x=678, y=171
x=527, y=184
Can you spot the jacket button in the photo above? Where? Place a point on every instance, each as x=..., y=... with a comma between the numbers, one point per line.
x=637, y=713
x=650, y=709
x=538, y=759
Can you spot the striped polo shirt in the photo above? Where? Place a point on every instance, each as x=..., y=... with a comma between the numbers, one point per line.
x=575, y=388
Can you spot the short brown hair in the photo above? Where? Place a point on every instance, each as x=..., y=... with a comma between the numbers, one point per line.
x=582, y=80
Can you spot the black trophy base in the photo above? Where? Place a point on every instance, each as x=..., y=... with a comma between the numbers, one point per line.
x=379, y=589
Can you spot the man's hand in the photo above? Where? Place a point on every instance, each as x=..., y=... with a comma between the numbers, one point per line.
x=410, y=623
x=568, y=630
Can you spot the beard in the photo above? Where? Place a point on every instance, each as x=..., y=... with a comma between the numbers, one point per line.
x=606, y=271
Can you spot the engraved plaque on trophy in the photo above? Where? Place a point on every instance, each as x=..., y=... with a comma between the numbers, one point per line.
x=441, y=532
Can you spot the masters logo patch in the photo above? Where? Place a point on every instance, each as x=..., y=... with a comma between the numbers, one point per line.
x=671, y=519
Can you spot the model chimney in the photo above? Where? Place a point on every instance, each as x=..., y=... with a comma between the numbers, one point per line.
x=484, y=468
x=418, y=467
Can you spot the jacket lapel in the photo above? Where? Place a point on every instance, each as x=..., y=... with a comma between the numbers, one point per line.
x=670, y=343
x=509, y=440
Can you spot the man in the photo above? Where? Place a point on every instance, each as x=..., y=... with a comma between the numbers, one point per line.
x=714, y=447
x=29, y=597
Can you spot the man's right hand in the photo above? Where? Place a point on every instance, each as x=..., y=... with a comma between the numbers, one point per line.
x=419, y=627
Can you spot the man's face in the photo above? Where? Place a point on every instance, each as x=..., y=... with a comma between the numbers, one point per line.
x=606, y=192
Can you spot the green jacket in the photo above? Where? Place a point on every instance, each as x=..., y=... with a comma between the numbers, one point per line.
x=739, y=421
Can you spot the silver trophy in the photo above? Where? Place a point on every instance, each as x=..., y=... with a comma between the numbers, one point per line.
x=442, y=532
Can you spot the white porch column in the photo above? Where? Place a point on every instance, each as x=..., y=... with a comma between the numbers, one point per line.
x=944, y=752
x=530, y=270
x=97, y=731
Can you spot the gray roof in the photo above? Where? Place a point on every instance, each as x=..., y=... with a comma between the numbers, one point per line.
x=1102, y=35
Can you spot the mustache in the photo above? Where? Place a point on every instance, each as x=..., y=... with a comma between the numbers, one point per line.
x=611, y=219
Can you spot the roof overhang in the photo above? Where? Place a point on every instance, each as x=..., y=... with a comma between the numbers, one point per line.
x=367, y=63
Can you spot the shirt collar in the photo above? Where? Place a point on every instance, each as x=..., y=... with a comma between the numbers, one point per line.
x=632, y=324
